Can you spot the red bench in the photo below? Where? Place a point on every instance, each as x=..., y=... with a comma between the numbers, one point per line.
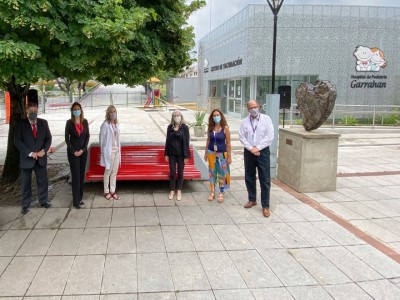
x=138, y=162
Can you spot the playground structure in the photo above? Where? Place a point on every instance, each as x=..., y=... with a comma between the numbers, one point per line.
x=153, y=94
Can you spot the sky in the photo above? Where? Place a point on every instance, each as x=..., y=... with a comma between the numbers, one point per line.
x=218, y=11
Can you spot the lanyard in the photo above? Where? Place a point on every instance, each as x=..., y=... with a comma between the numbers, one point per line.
x=251, y=123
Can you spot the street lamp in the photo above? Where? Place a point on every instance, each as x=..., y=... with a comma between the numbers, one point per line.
x=275, y=6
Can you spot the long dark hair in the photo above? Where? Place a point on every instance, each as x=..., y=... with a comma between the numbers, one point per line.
x=72, y=115
x=211, y=122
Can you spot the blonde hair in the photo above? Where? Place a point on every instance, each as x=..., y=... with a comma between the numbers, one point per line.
x=172, y=117
x=108, y=114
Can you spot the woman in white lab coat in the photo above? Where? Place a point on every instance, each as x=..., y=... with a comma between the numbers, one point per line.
x=110, y=148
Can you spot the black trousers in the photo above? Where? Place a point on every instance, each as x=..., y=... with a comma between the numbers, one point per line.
x=261, y=164
x=77, y=165
x=41, y=181
x=176, y=160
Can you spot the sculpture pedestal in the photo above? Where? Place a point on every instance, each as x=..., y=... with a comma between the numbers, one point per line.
x=307, y=161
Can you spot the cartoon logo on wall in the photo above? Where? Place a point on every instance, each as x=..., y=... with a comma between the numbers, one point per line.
x=369, y=59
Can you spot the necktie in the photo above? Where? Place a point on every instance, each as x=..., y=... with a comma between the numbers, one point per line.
x=34, y=130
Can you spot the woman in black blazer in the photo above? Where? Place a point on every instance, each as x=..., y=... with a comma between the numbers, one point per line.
x=77, y=139
x=177, y=152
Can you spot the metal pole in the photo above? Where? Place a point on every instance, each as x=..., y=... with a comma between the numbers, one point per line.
x=274, y=53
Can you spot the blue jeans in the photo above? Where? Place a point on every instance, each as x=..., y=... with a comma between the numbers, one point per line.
x=262, y=165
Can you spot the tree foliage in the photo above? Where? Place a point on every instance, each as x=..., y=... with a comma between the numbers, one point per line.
x=112, y=41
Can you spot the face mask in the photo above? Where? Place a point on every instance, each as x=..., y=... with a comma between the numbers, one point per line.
x=32, y=116
x=113, y=115
x=177, y=119
x=217, y=119
x=254, y=112
x=76, y=113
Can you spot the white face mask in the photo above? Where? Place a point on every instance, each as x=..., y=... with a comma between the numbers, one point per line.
x=177, y=119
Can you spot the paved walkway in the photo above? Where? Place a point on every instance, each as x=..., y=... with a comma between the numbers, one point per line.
x=332, y=245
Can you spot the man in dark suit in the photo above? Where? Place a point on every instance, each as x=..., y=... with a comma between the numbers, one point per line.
x=33, y=139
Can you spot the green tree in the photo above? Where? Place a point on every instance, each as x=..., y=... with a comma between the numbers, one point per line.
x=112, y=41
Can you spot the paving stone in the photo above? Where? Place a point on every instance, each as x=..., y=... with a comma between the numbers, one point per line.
x=363, y=210
x=17, y=277
x=286, y=235
x=76, y=218
x=216, y=215
x=382, y=208
x=92, y=297
x=8, y=215
x=239, y=214
x=52, y=218
x=154, y=274
x=120, y=274
x=86, y=275
x=377, y=260
x=94, y=241
x=286, y=268
x=349, y=264
x=221, y=271
x=40, y=298
x=204, y=238
x=258, y=236
x=66, y=242
x=146, y=216
x=193, y=215
x=122, y=240
x=312, y=234
x=101, y=202
x=342, y=211
x=319, y=267
x=348, y=291
x=29, y=220
x=352, y=194
x=187, y=199
x=187, y=272
x=161, y=200
x=198, y=295
x=99, y=217
x=149, y=239
x=381, y=289
x=309, y=292
x=119, y=297
x=157, y=296
x=201, y=198
x=170, y=216
x=50, y=280
x=338, y=233
x=233, y=294
x=125, y=201
x=177, y=239
x=232, y=238
x=11, y=241
x=122, y=217
x=376, y=231
x=307, y=212
x=143, y=200
x=4, y=261
x=286, y=214
x=253, y=269
x=37, y=243
x=280, y=293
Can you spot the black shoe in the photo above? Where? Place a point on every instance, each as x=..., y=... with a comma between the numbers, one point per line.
x=24, y=210
x=46, y=205
x=81, y=203
x=77, y=206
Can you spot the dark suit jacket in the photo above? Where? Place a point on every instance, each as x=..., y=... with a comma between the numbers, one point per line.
x=184, y=141
x=74, y=141
x=26, y=143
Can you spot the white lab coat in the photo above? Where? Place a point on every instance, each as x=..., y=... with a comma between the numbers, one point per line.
x=105, y=141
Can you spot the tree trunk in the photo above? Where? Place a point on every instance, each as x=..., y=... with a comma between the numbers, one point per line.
x=18, y=92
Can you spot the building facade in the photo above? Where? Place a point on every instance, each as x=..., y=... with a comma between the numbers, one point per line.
x=354, y=47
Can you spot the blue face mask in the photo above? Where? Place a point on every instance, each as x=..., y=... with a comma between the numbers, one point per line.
x=217, y=119
x=76, y=113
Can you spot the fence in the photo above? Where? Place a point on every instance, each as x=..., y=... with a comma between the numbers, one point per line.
x=345, y=115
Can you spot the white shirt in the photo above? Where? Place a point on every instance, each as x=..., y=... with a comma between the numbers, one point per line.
x=258, y=132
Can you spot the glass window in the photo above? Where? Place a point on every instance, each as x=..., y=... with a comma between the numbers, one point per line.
x=231, y=92
x=238, y=89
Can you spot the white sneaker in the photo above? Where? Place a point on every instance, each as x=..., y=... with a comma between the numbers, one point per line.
x=171, y=195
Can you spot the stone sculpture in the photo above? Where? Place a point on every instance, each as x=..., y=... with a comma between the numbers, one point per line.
x=315, y=103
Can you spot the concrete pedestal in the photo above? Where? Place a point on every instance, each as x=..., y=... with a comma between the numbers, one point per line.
x=307, y=161
x=213, y=103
